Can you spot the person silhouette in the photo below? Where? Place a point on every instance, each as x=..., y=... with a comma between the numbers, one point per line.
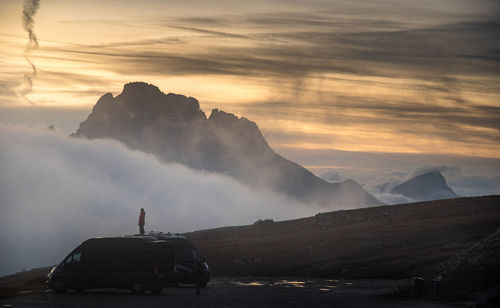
x=142, y=220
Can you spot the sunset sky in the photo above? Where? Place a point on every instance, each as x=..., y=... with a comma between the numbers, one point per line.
x=331, y=84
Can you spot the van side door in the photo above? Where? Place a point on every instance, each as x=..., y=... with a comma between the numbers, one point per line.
x=71, y=270
x=165, y=262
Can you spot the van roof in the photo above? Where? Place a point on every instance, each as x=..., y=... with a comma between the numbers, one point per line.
x=153, y=236
x=158, y=236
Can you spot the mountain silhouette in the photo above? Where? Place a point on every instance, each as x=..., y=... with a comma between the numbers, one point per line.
x=175, y=129
x=425, y=187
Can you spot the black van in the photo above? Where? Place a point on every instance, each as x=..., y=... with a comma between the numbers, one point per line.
x=138, y=263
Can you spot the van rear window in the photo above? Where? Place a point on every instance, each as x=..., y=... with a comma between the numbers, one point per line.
x=187, y=254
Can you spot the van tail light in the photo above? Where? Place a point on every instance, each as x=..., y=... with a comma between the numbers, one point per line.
x=156, y=270
x=175, y=266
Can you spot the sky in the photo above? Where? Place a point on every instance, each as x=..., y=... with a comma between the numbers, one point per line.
x=365, y=76
x=322, y=79
x=376, y=91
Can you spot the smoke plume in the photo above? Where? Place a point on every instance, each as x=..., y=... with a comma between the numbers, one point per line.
x=29, y=10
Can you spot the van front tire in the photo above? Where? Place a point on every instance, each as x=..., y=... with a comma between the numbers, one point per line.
x=59, y=286
x=137, y=288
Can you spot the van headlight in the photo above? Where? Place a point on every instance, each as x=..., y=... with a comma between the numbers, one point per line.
x=51, y=273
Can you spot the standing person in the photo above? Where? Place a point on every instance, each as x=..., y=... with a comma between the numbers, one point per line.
x=142, y=220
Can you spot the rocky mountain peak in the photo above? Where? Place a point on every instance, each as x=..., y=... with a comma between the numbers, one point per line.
x=175, y=129
x=428, y=186
x=241, y=128
x=225, y=119
x=140, y=90
x=103, y=103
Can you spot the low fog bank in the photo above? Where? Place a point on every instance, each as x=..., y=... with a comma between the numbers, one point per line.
x=65, y=119
x=56, y=191
x=389, y=198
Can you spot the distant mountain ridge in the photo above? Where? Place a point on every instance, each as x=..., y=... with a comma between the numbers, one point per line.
x=425, y=187
x=175, y=129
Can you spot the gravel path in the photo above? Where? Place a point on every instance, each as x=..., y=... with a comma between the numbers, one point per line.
x=236, y=292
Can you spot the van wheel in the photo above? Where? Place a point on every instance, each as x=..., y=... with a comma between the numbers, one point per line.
x=156, y=291
x=137, y=288
x=59, y=286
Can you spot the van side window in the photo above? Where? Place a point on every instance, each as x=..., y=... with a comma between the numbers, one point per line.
x=77, y=257
x=73, y=258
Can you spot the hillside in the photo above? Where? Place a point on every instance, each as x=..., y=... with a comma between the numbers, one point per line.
x=398, y=241
x=175, y=129
x=476, y=269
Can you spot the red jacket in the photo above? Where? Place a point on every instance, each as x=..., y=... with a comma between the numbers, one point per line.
x=142, y=218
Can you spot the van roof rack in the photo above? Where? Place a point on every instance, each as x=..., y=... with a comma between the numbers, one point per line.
x=163, y=235
x=157, y=235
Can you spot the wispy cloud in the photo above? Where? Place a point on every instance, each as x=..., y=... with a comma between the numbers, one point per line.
x=410, y=70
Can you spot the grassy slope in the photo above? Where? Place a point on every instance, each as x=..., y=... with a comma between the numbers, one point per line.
x=397, y=241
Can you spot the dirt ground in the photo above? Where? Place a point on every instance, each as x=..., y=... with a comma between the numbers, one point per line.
x=237, y=292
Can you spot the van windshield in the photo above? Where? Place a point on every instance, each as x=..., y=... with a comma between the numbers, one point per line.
x=187, y=254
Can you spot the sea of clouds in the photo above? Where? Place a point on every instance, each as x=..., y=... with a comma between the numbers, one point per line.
x=56, y=191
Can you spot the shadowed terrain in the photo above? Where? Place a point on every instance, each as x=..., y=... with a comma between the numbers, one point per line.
x=399, y=241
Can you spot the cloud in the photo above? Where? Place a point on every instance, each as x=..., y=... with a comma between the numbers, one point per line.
x=389, y=52
x=56, y=191
x=333, y=177
x=65, y=119
x=469, y=183
x=475, y=185
x=147, y=42
x=416, y=74
x=6, y=90
x=214, y=33
x=204, y=21
x=447, y=170
x=8, y=95
x=432, y=98
x=389, y=198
